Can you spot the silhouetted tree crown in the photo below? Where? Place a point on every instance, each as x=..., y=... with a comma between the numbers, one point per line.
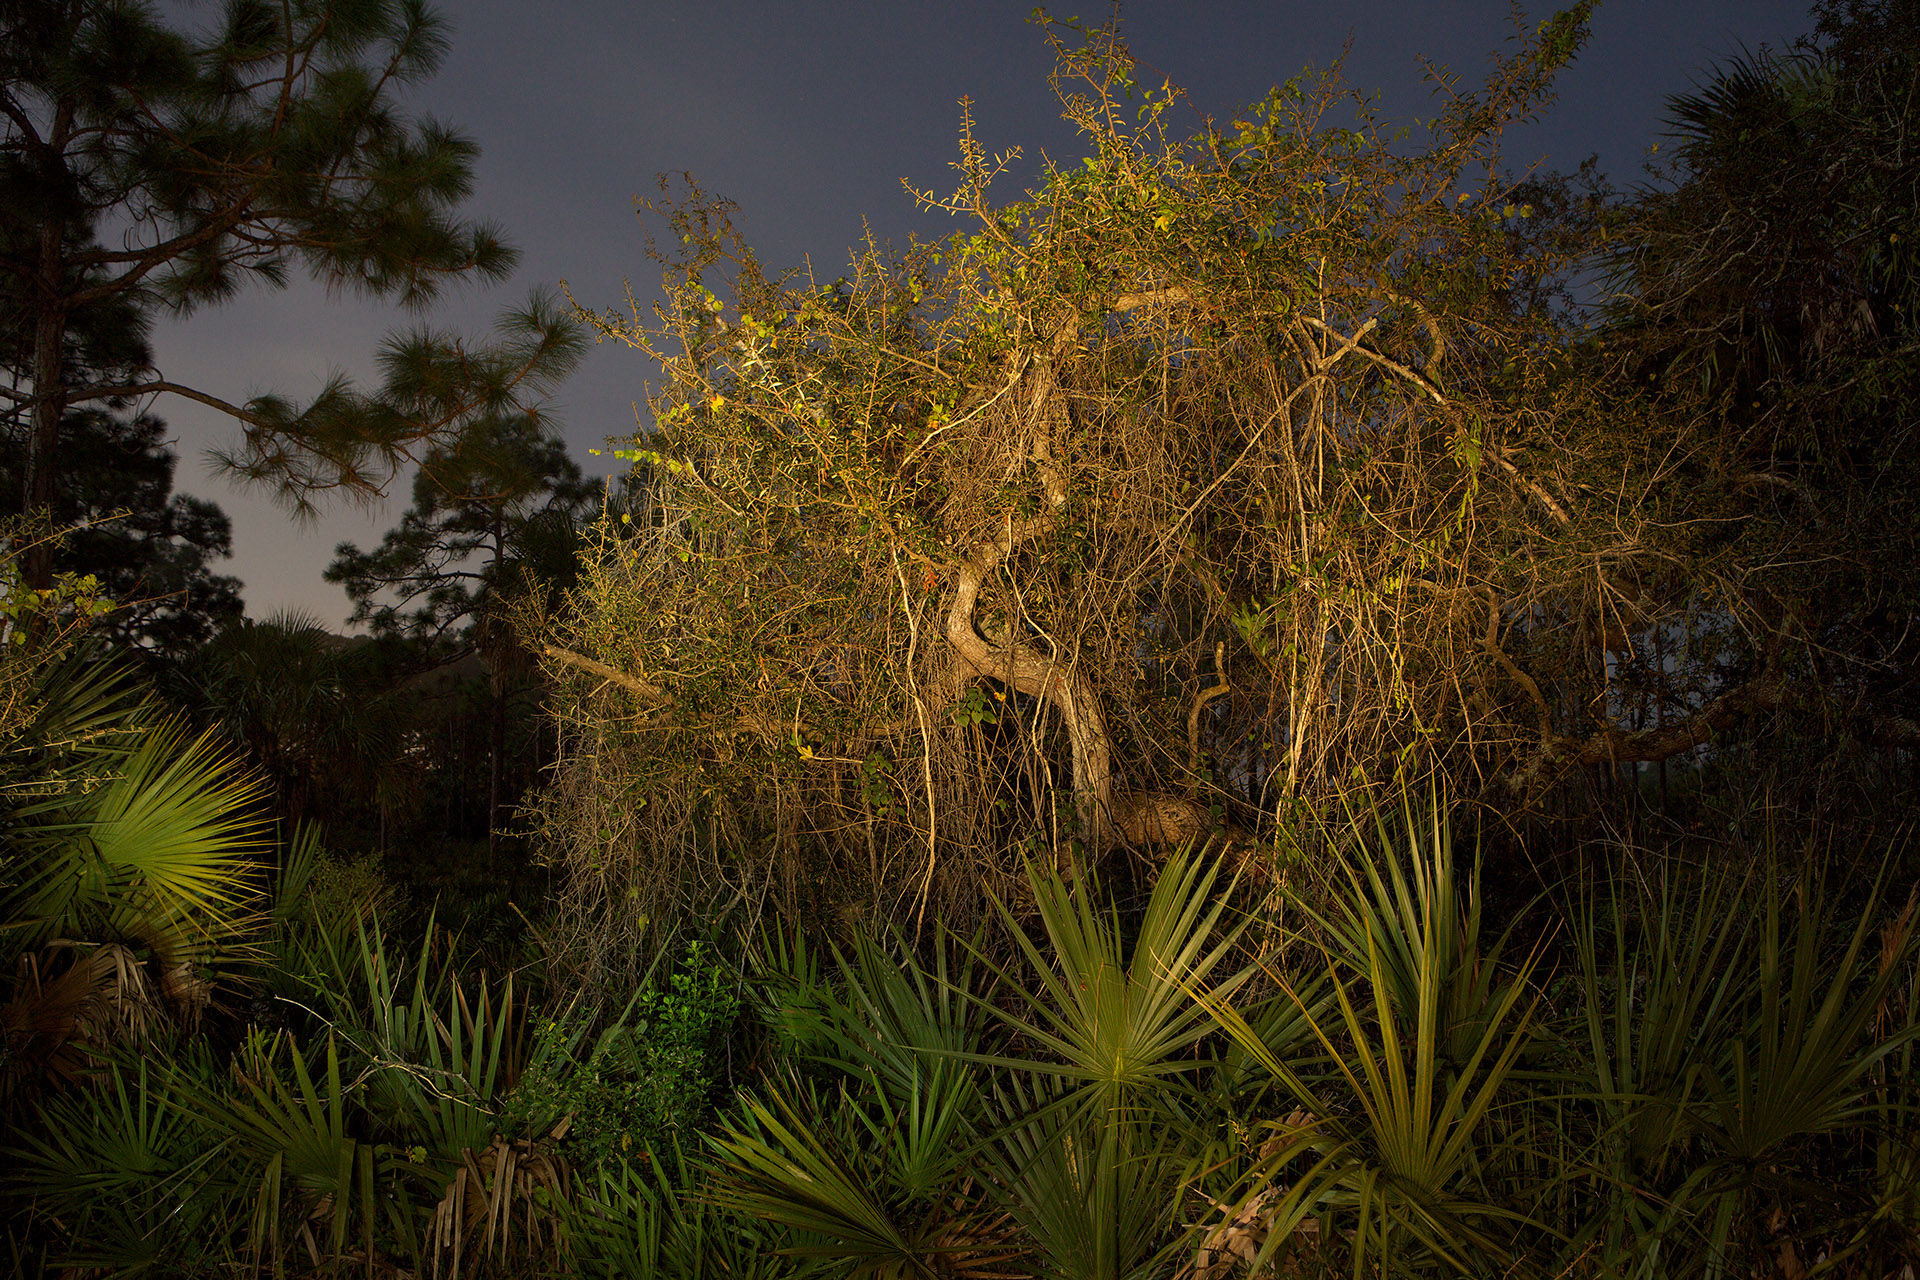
x=267, y=144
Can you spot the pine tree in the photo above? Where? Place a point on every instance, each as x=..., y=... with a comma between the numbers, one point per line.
x=113, y=513
x=150, y=549
x=269, y=144
x=494, y=519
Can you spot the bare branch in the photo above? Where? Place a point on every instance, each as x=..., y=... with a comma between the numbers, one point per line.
x=652, y=693
x=1614, y=745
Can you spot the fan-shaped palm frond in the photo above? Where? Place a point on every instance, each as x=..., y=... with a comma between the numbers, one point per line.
x=306, y=1176
x=1115, y=1015
x=128, y=1169
x=1730, y=1024
x=161, y=849
x=876, y=1170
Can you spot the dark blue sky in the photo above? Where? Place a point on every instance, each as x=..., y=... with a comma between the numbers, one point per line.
x=809, y=114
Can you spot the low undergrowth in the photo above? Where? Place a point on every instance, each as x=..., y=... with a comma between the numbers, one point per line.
x=1681, y=1070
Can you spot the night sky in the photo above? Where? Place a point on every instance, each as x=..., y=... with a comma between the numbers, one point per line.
x=809, y=114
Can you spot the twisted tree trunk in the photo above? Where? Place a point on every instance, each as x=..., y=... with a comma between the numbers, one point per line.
x=1105, y=813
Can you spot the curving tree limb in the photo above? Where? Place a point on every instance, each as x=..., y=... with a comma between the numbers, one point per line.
x=1135, y=818
x=1614, y=745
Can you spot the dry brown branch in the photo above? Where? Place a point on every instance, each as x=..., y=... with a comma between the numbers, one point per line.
x=72, y=1000
x=1038, y=675
x=652, y=693
x=1151, y=297
x=926, y=742
x=1219, y=689
x=1491, y=643
x=1896, y=730
x=1614, y=745
x=1538, y=494
x=1143, y=819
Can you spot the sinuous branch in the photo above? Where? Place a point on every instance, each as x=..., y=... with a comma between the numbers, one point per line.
x=1104, y=813
x=1614, y=745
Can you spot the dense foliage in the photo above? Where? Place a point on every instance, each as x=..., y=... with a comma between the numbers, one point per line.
x=1008, y=735
x=1216, y=485
x=1770, y=292
x=493, y=531
x=1713, y=1073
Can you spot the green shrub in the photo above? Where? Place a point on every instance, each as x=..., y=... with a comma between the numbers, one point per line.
x=355, y=888
x=649, y=1078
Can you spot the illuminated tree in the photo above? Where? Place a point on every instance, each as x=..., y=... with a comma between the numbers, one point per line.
x=1223, y=480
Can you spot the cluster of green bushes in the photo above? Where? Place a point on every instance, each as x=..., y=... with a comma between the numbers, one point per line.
x=1694, y=1072
x=392, y=1108
x=1675, y=1069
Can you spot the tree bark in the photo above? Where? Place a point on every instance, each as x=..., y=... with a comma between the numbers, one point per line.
x=1104, y=814
x=497, y=726
x=1027, y=670
x=1613, y=745
x=49, y=405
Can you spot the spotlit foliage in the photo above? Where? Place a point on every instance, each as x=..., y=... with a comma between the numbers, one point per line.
x=131, y=849
x=1225, y=478
x=1031, y=666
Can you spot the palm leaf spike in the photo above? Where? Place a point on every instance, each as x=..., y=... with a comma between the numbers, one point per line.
x=1695, y=985
x=1091, y=1142
x=482, y=1196
x=780, y=1170
x=1804, y=1066
x=1115, y=1023
x=924, y=1124
x=126, y=1167
x=1657, y=1001
x=1392, y=1156
x=1420, y=1148
x=137, y=835
x=297, y=1129
x=907, y=1123
x=84, y=713
x=300, y=859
